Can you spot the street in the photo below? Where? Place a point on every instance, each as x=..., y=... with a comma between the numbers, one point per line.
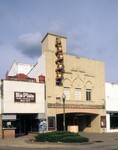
x=98, y=141
x=109, y=145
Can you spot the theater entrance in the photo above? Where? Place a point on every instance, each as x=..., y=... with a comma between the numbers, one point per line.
x=82, y=120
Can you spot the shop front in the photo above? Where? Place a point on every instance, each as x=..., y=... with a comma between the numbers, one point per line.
x=20, y=124
x=8, y=126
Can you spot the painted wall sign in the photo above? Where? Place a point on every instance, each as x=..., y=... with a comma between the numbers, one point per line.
x=24, y=97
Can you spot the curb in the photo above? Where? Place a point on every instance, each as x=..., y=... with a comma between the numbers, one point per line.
x=57, y=143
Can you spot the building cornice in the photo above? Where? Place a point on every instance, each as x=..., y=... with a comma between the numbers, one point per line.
x=75, y=106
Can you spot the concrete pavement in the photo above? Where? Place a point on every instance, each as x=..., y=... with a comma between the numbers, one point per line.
x=26, y=142
x=94, y=137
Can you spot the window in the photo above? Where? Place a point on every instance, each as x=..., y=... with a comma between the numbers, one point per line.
x=88, y=94
x=8, y=124
x=77, y=94
x=67, y=93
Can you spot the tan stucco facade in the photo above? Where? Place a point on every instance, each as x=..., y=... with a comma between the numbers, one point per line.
x=79, y=73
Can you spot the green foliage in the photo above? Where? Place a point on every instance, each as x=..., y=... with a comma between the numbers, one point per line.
x=60, y=136
x=76, y=139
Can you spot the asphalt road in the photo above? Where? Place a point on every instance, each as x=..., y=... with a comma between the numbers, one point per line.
x=109, y=145
x=97, y=142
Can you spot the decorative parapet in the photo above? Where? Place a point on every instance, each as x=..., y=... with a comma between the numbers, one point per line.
x=75, y=106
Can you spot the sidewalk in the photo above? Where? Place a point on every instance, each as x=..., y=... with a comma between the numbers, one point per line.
x=93, y=137
x=25, y=141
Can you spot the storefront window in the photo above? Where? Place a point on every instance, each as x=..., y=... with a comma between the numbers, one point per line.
x=8, y=124
x=114, y=120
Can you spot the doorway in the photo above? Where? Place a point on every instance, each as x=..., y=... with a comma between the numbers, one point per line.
x=26, y=123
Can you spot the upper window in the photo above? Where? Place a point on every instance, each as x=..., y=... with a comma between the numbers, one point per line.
x=88, y=94
x=77, y=94
x=67, y=93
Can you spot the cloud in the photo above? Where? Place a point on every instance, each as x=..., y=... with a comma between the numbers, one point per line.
x=1, y=43
x=29, y=44
x=8, y=55
x=57, y=26
x=78, y=43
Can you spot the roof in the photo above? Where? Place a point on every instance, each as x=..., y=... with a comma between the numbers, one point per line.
x=53, y=35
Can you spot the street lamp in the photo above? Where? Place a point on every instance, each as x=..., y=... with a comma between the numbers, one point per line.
x=63, y=98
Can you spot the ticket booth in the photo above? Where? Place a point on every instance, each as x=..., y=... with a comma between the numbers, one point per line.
x=8, y=126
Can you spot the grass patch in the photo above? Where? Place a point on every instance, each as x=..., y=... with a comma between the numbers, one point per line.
x=60, y=136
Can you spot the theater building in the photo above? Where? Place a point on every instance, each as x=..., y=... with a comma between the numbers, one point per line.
x=33, y=92
x=81, y=80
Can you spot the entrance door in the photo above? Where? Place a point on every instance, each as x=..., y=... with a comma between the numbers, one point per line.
x=75, y=121
x=26, y=123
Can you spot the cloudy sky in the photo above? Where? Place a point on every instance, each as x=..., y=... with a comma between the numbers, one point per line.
x=91, y=28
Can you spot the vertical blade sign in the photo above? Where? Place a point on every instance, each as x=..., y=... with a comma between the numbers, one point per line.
x=59, y=61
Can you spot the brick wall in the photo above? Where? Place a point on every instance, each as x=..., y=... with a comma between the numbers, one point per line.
x=0, y=126
x=8, y=133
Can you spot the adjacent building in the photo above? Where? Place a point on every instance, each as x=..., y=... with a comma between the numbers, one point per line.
x=18, y=68
x=111, y=90
x=22, y=105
